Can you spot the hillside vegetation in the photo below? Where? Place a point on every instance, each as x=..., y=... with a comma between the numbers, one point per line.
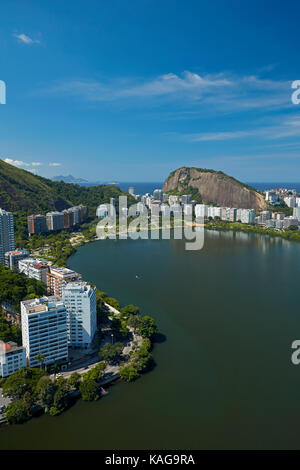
x=23, y=191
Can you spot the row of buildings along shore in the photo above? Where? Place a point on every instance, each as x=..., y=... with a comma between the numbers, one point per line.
x=55, y=221
x=160, y=203
x=65, y=318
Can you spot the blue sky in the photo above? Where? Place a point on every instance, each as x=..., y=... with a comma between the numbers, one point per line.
x=130, y=90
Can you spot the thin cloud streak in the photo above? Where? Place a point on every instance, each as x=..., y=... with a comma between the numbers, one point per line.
x=221, y=91
x=287, y=128
x=26, y=39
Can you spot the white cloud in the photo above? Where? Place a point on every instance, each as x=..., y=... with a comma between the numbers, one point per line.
x=16, y=162
x=54, y=164
x=223, y=91
x=26, y=39
x=21, y=163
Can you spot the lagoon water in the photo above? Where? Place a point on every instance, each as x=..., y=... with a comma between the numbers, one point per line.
x=223, y=375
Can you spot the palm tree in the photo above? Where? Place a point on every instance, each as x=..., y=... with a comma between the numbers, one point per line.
x=40, y=358
x=54, y=370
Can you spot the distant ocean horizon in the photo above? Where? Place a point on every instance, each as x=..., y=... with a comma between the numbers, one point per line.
x=146, y=187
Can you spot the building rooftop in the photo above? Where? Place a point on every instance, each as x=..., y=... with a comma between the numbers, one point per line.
x=36, y=262
x=81, y=286
x=3, y=212
x=44, y=304
x=63, y=272
x=9, y=347
x=16, y=252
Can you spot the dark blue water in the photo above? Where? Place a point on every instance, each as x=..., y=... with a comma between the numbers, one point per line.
x=276, y=185
x=223, y=377
x=142, y=188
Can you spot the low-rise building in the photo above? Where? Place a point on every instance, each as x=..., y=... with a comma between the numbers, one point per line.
x=12, y=358
x=44, y=330
x=35, y=268
x=12, y=258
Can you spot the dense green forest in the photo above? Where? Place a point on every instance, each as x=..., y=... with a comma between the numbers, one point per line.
x=15, y=286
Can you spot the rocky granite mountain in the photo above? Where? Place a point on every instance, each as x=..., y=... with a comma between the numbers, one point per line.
x=212, y=186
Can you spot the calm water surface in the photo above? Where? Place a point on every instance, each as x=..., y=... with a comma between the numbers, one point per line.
x=223, y=378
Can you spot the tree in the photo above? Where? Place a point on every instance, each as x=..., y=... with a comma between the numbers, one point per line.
x=129, y=310
x=54, y=369
x=119, y=328
x=17, y=412
x=61, y=401
x=148, y=327
x=134, y=321
x=112, y=302
x=40, y=358
x=21, y=381
x=74, y=380
x=45, y=392
x=28, y=400
x=89, y=390
x=111, y=352
x=141, y=358
x=95, y=373
x=128, y=373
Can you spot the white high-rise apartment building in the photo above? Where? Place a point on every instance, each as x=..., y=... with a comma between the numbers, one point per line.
x=247, y=216
x=201, y=210
x=296, y=212
x=7, y=238
x=44, y=330
x=80, y=302
x=102, y=210
x=290, y=201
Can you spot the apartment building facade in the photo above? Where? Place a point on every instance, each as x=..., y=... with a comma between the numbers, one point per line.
x=12, y=358
x=44, y=330
x=58, y=278
x=35, y=268
x=7, y=238
x=12, y=258
x=80, y=302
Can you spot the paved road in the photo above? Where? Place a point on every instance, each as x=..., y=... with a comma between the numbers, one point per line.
x=4, y=401
x=111, y=372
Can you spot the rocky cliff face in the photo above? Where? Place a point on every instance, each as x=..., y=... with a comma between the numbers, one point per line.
x=216, y=187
